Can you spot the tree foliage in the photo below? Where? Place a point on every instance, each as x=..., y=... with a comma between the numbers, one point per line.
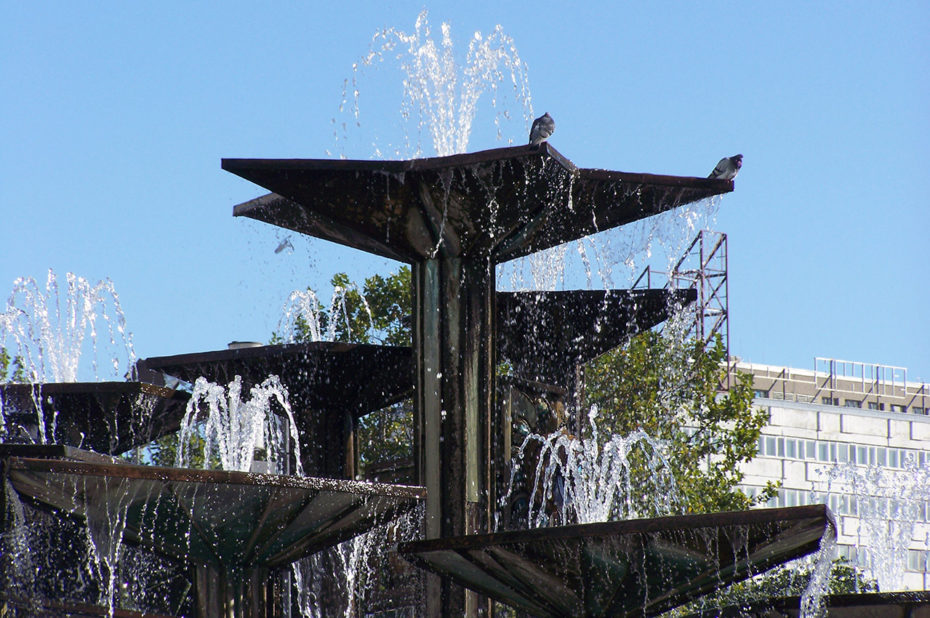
x=671, y=391
x=376, y=314
x=787, y=580
x=11, y=367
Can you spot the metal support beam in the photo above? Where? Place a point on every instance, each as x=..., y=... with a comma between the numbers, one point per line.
x=454, y=331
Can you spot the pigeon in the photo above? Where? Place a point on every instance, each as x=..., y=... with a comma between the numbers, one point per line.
x=284, y=244
x=543, y=127
x=728, y=167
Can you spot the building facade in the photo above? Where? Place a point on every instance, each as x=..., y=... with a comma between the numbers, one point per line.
x=857, y=437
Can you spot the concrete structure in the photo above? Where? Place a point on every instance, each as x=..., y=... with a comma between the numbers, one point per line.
x=849, y=414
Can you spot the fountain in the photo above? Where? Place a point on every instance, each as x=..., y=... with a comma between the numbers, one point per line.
x=454, y=218
x=237, y=528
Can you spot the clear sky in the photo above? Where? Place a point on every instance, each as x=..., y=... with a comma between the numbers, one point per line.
x=115, y=115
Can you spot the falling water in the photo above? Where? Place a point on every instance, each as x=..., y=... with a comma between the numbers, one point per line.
x=235, y=427
x=885, y=506
x=591, y=480
x=812, y=605
x=342, y=579
x=50, y=329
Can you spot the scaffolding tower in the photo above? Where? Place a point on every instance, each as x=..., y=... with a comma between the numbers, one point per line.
x=703, y=267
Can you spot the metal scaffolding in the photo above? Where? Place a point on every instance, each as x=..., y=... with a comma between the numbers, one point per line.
x=702, y=267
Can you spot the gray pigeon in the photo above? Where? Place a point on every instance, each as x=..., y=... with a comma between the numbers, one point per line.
x=284, y=244
x=543, y=127
x=728, y=167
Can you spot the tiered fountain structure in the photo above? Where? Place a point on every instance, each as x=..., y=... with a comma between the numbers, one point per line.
x=453, y=219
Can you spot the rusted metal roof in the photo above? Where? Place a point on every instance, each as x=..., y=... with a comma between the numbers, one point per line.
x=626, y=568
x=546, y=334
x=500, y=204
x=318, y=376
x=108, y=417
x=210, y=517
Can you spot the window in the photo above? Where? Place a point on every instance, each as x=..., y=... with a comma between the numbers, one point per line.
x=853, y=403
x=830, y=401
x=811, y=449
x=770, y=446
x=918, y=410
x=791, y=448
x=874, y=405
x=842, y=454
x=916, y=560
x=897, y=407
x=893, y=457
x=760, y=394
x=823, y=451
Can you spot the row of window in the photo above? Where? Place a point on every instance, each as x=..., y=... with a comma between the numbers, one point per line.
x=847, y=403
x=852, y=505
x=917, y=560
x=828, y=451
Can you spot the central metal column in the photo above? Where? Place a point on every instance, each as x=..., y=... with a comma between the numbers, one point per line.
x=453, y=338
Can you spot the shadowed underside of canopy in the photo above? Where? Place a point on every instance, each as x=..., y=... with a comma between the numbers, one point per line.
x=500, y=204
x=625, y=568
x=228, y=520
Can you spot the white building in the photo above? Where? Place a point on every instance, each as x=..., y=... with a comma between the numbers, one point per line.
x=863, y=423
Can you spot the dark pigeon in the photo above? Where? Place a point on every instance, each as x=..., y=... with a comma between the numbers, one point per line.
x=543, y=127
x=728, y=167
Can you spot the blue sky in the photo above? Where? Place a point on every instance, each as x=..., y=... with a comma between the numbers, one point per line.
x=115, y=117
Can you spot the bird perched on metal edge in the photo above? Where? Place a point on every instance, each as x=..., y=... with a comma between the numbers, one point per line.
x=728, y=167
x=543, y=127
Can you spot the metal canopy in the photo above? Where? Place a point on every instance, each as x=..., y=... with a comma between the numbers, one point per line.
x=499, y=204
x=318, y=375
x=228, y=520
x=546, y=334
x=625, y=568
x=914, y=604
x=108, y=417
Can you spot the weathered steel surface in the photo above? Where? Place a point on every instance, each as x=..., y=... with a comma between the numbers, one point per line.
x=108, y=417
x=453, y=326
x=356, y=377
x=500, y=204
x=228, y=520
x=625, y=568
x=330, y=385
x=545, y=335
x=454, y=218
x=915, y=604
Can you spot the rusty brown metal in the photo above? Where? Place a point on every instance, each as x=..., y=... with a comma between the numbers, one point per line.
x=237, y=519
x=500, y=204
x=545, y=335
x=107, y=417
x=325, y=388
x=625, y=568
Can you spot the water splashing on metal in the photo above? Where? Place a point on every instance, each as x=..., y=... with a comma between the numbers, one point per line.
x=235, y=427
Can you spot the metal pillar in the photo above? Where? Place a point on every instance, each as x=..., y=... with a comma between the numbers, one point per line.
x=453, y=335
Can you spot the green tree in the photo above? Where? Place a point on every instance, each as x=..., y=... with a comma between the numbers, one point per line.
x=376, y=314
x=11, y=367
x=789, y=580
x=671, y=391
